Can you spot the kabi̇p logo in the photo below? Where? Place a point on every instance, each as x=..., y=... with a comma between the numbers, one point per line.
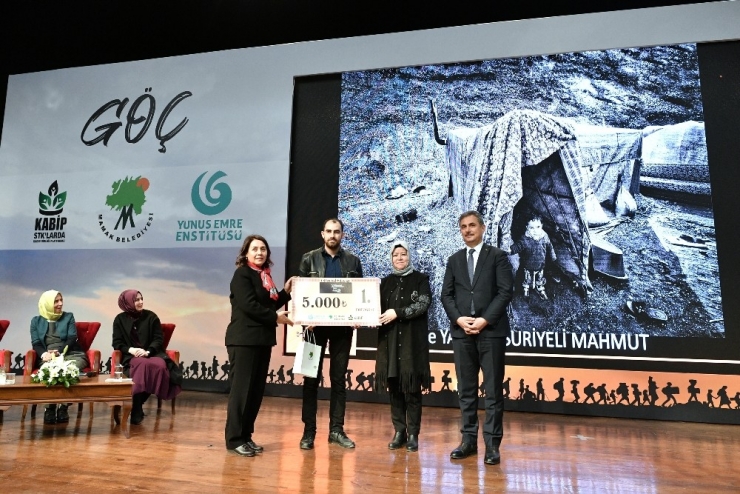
x=50, y=227
x=128, y=197
x=209, y=204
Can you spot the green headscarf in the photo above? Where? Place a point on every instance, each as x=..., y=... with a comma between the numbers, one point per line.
x=46, y=305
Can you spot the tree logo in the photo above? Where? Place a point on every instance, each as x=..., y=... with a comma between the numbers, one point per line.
x=128, y=197
x=206, y=202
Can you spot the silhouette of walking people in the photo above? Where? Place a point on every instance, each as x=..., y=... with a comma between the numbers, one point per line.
x=540, y=390
x=669, y=391
x=589, y=390
x=281, y=375
x=559, y=386
x=574, y=390
x=20, y=362
x=521, y=389
x=636, y=395
x=693, y=391
x=371, y=382
x=736, y=399
x=528, y=395
x=446, y=380
x=361, y=379
x=214, y=367
x=349, y=378
x=710, y=399
x=724, y=399
x=225, y=367
x=271, y=375
x=507, y=388
x=602, y=394
x=194, y=370
x=624, y=392
x=291, y=376
x=652, y=390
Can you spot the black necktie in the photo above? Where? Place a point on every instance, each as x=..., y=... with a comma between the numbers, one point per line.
x=471, y=273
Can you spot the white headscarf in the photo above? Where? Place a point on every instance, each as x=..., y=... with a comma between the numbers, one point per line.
x=407, y=270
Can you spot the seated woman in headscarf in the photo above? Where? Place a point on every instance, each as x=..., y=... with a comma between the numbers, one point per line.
x=51, y=331
x=137, y=334
x=402, y=359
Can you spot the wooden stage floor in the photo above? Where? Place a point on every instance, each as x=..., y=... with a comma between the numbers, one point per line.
x=185, y=453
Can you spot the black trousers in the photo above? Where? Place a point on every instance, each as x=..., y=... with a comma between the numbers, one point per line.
x=405, y=408
x=247, y=378
x=472, y=354
x=339, y=340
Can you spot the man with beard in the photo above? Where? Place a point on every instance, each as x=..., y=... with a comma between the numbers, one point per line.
x=329, y=261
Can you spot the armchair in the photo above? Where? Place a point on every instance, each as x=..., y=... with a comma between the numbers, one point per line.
x=4, y=354
x=86, y=332
x=174, y=355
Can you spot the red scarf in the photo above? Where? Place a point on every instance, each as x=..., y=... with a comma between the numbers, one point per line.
x=266, y=280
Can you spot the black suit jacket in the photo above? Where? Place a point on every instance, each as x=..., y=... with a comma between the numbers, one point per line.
x=253, y=312
x=149, y=330
x=491, y=290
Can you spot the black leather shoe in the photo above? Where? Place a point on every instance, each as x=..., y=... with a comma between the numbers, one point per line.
x=493, y=457
x=62, y=414
x=463, y=451
x=137, y=417
x=399, y=439
x=257, y=449
x=307, y=441
x=340, y=438
x=50, y=414
x=244, y=450
x=413, y=443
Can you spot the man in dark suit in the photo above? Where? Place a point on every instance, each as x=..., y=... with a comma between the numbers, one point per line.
x=477, y=288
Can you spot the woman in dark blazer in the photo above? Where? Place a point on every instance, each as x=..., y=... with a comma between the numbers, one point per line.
x=52, y=331
x=137, y=334
x=250, y=336
x=402, y=359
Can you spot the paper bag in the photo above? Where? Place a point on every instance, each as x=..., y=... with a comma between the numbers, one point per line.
x=307, y=357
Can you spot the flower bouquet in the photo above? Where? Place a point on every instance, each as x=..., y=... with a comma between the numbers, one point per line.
x=57, y=371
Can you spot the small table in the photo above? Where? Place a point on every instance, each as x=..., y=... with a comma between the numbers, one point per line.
x=89, y=389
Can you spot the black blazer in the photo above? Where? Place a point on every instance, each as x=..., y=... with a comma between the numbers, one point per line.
x=253, y=312
x=491, y=290
x=149, y=330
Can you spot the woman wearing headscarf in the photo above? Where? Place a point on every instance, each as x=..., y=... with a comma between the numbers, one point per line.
x=52, y=331
x=250, y=336
x=402, y=359
x=137, y=334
